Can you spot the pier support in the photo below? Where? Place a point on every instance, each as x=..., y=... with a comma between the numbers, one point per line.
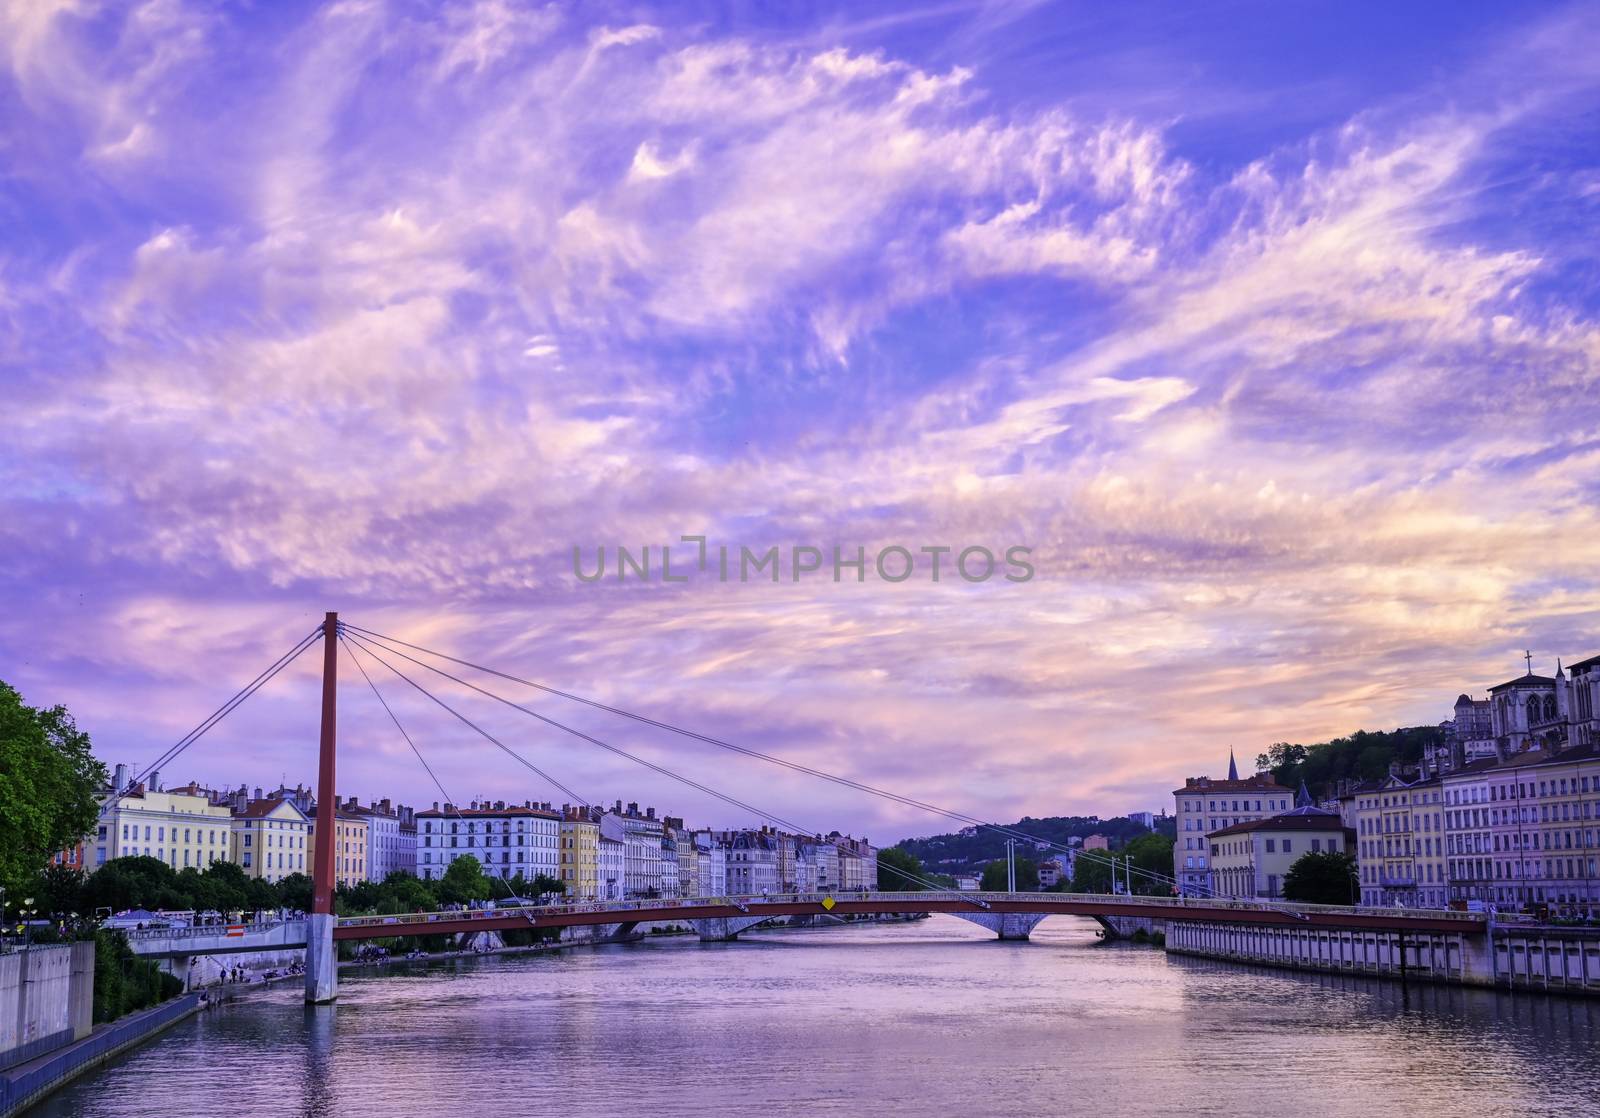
x=322, y=958
x=724, y=929
x=1006, y=925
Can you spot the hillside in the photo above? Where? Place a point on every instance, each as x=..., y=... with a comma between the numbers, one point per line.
x=968, y=851
x=1364, y=755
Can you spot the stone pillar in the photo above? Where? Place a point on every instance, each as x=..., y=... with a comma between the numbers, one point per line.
x=322, y=959
x=724, y=929
x=1006, y=925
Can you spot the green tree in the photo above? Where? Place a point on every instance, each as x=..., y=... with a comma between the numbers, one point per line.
x=49, y=793
x=994, y=876
x=1152, y=865
x=136, y=881
x=123, y=982
x=900, y=871
x=1322, y=877
x=1091, y=872
x=294, y=892
x=464, y=881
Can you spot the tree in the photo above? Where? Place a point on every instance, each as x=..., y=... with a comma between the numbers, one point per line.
x=294, y=892
x=994, y=876
x=900, y=871
x=464, y=881
x=136, y=881
x=1322, y=877
x=49, y=794
x=1152, y=865
x=1091, y=872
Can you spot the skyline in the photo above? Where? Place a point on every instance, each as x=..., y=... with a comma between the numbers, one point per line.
x=1272, y=335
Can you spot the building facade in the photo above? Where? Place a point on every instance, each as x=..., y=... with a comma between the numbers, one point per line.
x=506, y=839
x=349, y=847
x=613, y=866
x=641, y=835
x=1205, y=805
x=580, y=853
x=1250, y=860
x=391, y=837
x=271, y=839
x=183, y=827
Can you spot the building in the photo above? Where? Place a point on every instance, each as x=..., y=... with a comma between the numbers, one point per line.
x=1400, y=849
x=1205, y=805
x=1049, y=873
x=1468, y=836
x=182, y=827
x=752, y=859
x=688, y=858
x=613, y=867
x=1145, y=819
x=1096, y=842
x=270, y=839
x=1251, y=859
x=391, y=837
x=824, y=858
x=712, y=862
x=580, y=853
x=640, y=834
x=350, y=838
x=858, y=863
x=507, y=839
x=669, y=862
x=1584, y=686
x=1528, y=711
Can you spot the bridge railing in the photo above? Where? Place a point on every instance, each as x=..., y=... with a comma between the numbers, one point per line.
x=665, y=907
x=204, y=931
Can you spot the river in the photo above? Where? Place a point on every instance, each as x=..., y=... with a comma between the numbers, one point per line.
x=932, y=1017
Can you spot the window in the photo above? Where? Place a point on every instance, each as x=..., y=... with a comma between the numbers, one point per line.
x=1287, y=846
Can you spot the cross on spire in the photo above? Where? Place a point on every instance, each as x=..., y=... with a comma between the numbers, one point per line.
x=1528, y=656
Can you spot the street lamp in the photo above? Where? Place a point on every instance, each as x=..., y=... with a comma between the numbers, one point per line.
x=27, y=912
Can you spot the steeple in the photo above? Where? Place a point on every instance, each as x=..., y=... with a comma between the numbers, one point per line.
x=1233, y=767
x=1302, y=798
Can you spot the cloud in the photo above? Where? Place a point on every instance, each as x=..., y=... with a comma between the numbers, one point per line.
x=1301, y=441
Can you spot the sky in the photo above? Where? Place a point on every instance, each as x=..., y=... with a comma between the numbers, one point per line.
x=1269, y=330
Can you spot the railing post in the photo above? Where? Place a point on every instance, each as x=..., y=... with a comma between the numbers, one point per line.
x=322, y=962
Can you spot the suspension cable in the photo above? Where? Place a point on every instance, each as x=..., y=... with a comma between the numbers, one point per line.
x=448, y=801
x=387, y=642
x=220, y=713
x=690, y=782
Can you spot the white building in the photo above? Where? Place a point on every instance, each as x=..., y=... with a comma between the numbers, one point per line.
x=182, y=827
x=508, y=839
x=1205, y=805
x=640, y=834
x=669, y=864
x=752, y=864
x=613, y=868
x=713, y=865
x=391, y=838
x=824, y=858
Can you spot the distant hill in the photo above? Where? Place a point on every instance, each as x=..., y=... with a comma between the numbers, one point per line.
x=1364, y=755
x=969, y=850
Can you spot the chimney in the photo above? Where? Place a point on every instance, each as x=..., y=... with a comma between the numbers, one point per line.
x=155, y=781
x=649, y=813
x=633, y=809
x=435, y=805
x=120, y=779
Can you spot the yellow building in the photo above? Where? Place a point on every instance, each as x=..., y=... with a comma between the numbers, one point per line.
x=271, y=839
x=349, y=850
x=580, y=854
x=181, y=827
x=1250, y=860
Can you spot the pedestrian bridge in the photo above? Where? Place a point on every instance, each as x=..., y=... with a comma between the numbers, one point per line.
x=1008, y=915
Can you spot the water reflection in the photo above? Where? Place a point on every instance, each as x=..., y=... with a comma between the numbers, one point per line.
x=932, y=1017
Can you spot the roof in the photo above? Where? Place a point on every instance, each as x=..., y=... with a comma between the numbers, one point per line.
x=1313, y=819
x=1581, y=665
x=489, y=813
x=1261, y=782
x=260, y=809
x=1529, y=680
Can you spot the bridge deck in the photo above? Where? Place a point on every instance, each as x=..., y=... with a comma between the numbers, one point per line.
x=1048, y=904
